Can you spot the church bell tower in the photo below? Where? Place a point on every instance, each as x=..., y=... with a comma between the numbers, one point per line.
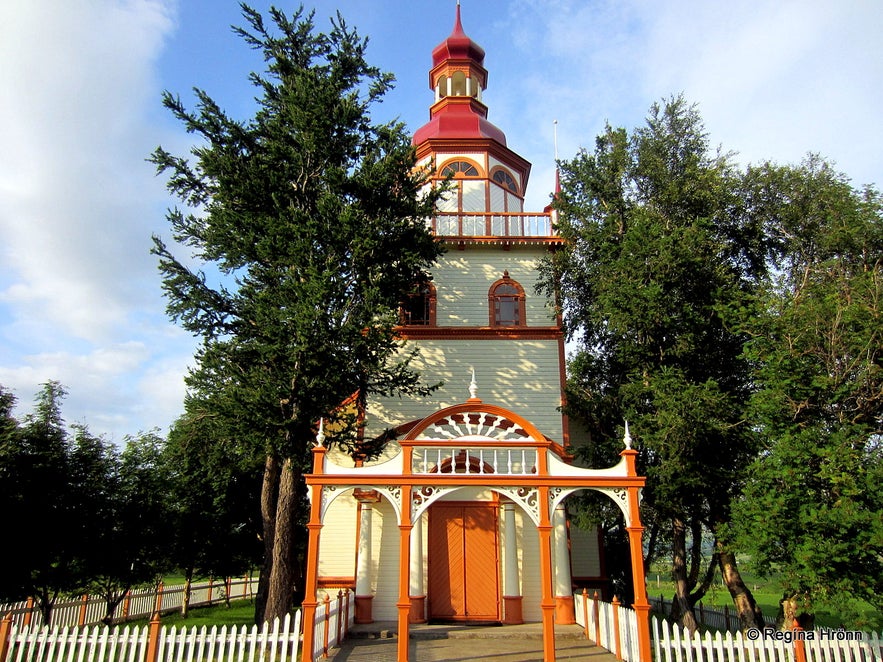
x=481, y=311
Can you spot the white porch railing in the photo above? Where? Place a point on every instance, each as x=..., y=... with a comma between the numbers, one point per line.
x=483, y=460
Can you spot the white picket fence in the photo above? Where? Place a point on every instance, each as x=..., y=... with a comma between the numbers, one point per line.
x=334, y=618
x=138, y=603
x=614, y=627
x=609, y=625
x=674, y=644
x=276, y=642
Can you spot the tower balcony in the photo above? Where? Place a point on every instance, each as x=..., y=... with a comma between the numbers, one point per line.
x=493, y=225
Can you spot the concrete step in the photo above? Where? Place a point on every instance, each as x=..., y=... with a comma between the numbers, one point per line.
x=422, y=631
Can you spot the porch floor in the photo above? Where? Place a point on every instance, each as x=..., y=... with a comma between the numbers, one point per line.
x=376, y=642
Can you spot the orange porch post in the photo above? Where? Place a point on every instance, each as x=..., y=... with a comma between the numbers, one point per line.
x=635, y=532
x=404, y=603
x=311, y=581
x=547, y=603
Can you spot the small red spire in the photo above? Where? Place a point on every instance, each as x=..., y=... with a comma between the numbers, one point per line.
x=458, y=46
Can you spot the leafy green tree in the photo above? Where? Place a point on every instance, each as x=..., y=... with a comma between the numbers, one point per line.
x=36, y=504
x=128, y=497
x=216, y=484
x=657, y=244
x=311, y=218
x=811, y=512
x=93, y=474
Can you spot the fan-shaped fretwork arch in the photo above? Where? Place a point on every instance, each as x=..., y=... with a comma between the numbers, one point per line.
x=475, y=420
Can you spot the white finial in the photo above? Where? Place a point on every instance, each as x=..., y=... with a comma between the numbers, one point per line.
x=320, y=437
x=473, y=387
x=627, y=437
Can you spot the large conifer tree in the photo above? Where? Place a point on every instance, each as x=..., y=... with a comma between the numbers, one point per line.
x=657, y=247
x=313, y=216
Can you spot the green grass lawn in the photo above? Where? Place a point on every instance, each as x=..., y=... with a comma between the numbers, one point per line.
x=240, y=612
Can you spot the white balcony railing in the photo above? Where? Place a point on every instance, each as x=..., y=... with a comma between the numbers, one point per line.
x=489, y=224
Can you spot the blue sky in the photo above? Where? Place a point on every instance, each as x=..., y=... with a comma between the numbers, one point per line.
x=80, y=298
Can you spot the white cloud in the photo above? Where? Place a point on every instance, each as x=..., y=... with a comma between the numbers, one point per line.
x=772, y=79
x=79, y=293
x=75, y=191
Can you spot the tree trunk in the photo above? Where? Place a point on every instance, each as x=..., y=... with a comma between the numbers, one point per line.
x=185, y=599
x=679, y=570
x=269, y=491
x=750, y=615
x=281, y=586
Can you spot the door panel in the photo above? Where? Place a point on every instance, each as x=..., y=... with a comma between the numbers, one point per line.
x=463, y=577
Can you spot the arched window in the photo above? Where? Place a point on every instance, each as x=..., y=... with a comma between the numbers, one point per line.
x=418, y=309
x=442, y=86
x=464, y=168
x=506, y=302
x=458, y=84
x=505, y=180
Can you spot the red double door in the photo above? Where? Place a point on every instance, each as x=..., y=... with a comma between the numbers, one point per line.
x=463, y=568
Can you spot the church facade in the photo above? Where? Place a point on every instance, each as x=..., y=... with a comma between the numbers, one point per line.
x=463, y=518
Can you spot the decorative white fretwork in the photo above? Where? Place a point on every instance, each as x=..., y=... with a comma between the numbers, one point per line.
x=423, y=496
x=393, y=494
x=620, y=497
x=476, y=424
x=526, y=497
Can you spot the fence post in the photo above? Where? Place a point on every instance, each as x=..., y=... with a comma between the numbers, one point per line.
x=339, y=612
x=29, y=614
x=799, y=648
x=596, y=612
x=327, y=624
x=616, y=641
x=586, y=612
x=158, y=604
x=153, y=639
x=727, y=618
x=84, y=601
x=701, y=613
x=211, y=585
x=5, y=632
x=127, y=605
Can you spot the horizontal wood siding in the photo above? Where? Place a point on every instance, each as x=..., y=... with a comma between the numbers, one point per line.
x=463, y=278
x=385, y=562
x=521, y=375
x=529, y=567
x=337, y=542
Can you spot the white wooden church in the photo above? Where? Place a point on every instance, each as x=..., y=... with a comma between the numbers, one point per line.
x=464, y=517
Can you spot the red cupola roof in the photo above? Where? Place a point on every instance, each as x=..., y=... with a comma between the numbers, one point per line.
x=458, y=78
x=457, y=46
x=458, y=121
